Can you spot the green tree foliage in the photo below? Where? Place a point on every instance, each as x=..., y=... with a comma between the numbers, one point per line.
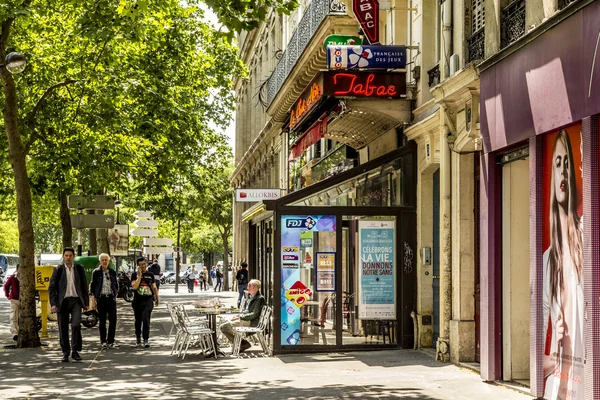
x=118, y=95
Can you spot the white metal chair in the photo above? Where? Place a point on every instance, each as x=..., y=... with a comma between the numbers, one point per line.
x=188, y=334
x=259, y=330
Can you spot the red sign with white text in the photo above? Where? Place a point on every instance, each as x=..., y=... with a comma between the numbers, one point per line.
x=367, y=14
x=364, y=84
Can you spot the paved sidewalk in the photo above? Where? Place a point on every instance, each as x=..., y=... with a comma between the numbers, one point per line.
x=129, y=372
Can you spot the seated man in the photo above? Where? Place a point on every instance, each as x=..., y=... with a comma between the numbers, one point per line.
x=249, y=316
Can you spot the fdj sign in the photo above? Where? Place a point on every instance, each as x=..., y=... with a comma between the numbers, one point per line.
x=367, y=14
x=307, y=223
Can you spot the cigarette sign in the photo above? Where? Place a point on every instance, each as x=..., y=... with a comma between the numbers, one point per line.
x=367, y=14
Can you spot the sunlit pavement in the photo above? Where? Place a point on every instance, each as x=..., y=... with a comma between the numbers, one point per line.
x=129, y=372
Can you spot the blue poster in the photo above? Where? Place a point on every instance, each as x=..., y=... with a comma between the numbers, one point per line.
x=377, y=270
x=369, y=57
x=294, y=293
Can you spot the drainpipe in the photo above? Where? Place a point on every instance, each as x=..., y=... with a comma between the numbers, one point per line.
x=446, y=37
x=443, y=344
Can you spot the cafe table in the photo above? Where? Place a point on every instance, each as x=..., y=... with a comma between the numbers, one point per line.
x=211, y=313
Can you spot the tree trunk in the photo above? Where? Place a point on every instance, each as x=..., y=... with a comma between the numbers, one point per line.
x=28, y=334
x=92, y=237
x=65, y=221
x=101, y=238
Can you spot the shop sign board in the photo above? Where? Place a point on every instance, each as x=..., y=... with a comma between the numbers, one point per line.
x=253, y=195
x=368, y=57
x=376, y=270
x=367, y=14
x=307, y=102
x=92, y=221
x=364, y=84
x=333, y=40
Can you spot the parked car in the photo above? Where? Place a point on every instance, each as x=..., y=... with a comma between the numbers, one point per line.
x=167, y=277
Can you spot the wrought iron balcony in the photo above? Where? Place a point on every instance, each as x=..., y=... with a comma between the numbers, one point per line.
x=434, y=75
x=564, y=3
x=317, y=11
x=477, y=45
x=513, y=23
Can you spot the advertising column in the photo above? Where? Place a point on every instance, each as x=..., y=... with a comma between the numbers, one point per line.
x=377, y=270
x=563, y=306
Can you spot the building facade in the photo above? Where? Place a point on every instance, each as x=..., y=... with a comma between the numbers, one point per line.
x=448, y=167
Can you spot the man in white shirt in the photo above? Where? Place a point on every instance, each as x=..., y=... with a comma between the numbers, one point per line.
x=68, y=292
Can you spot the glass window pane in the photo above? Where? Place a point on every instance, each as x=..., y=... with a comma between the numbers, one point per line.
x=308, y=254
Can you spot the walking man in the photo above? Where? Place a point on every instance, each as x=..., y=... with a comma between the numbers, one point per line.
x=192, y=276
x=144, y=298
x=155, y=269
x=104, y=298
x=68, y=292
x=219, y=285
x=242, y=280
x=11, y=291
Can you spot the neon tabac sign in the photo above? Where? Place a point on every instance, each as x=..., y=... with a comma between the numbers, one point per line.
x=364, y=84
x=306, y=102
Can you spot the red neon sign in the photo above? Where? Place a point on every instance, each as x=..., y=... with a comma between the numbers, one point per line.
x=367, y=14
x=348, y=86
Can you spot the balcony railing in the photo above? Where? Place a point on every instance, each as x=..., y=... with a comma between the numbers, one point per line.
x=513, y=23
x=312, y=18
x=477, y=45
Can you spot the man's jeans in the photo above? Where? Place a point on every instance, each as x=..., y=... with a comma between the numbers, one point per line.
x=241, y=289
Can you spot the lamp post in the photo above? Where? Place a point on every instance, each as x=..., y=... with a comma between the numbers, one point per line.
x=118, y=205
x=15, y=63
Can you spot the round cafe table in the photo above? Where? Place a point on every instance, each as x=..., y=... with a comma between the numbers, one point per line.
x=211, y=313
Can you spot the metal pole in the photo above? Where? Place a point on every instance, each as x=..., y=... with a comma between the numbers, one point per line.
x=79, y=245
x=178, y=260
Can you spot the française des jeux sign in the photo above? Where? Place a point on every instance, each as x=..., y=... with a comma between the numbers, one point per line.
x=367, y=14
x=368, y=57
x=364, y=84
x=307, y=101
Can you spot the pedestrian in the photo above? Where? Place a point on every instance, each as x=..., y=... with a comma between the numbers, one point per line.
x=203, y=278
x=103, y=293
x=212, y=277
x=155, y=269
x=192, y=276
x=68, y=292
x=11, y=291
x=249, y=316
x=145, y=297
x=242, y=281
x=219, y=285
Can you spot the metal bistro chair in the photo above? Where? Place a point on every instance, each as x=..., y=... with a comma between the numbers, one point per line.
x=259, y=330
x=188, y=334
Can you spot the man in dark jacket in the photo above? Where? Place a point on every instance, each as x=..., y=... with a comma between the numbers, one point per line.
x=249, y=316
x=242, y=281
x=155, y=269
x=68, y=292
x=103, y=290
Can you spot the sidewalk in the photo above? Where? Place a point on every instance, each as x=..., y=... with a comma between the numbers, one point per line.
x=130, y=372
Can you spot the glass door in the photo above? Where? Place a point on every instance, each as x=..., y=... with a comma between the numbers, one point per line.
x=308, y=269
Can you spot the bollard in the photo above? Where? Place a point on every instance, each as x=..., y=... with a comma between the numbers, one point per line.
x=43, y=273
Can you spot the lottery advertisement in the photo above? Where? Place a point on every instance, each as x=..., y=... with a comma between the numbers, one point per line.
x=377, y=270
x=294, y=292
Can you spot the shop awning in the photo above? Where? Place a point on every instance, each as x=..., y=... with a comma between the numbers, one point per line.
x=315, y=133
x=359, y=122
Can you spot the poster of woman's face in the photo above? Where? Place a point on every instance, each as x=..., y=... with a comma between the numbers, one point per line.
x=563, y=265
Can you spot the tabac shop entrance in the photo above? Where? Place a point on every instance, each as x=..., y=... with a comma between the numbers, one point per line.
x=344, y=260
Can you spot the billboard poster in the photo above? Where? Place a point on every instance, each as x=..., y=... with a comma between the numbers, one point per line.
x=296, y=290
x=118, y=240
x=377, y=270
x=563, y=305
x=325, y=281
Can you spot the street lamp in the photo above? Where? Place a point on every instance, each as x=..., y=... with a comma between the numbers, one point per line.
x=15, y=63
x=118, y=205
